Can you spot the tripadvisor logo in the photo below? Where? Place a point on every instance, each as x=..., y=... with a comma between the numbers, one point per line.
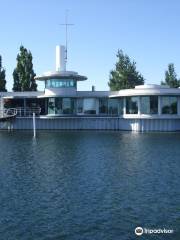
x=139, y=231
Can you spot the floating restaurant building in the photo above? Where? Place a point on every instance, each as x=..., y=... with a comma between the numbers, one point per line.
x=62, y=106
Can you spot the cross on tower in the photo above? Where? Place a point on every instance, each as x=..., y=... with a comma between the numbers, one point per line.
x=66, y=24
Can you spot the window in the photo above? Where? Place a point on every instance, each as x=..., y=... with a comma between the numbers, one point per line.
x=113, y=106
x=60, y=83
x=71, y=83
x=80, y=105
x=89, y=105
x=58, y=105
x=169, y=105
x=131, y=105
x=103, y=105
x=149, y=105
x=51, y=106
x=121, y=106
x=61, y=105
x=68, y=105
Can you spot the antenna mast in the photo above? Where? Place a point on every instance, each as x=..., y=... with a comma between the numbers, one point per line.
x=66, y=24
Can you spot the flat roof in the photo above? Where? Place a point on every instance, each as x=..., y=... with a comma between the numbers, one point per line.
x=138, y=91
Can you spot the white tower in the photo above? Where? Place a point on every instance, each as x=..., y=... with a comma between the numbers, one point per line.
x=60, y=58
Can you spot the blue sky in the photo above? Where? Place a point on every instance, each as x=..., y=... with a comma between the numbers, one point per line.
x=148, y=31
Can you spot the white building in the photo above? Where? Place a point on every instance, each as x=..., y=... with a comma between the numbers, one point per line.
x=62, y=106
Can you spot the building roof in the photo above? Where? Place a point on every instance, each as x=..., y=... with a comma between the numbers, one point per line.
x=61, y=75
x=142, y=90
x=147, y=89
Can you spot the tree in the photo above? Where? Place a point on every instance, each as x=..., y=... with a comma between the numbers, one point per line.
x=23, y=73
x=2, y=77
x=171, y=77
x=125, y=74
x=17, y=84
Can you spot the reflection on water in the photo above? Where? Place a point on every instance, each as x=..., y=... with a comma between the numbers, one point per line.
x=88, y=185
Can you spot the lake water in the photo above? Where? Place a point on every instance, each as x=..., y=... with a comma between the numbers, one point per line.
x=88, y=185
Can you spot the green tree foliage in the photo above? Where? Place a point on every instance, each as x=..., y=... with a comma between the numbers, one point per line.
x=125, y=74
x=2, y=77
x=23, y=73
x=17, y=84
x=171, y=77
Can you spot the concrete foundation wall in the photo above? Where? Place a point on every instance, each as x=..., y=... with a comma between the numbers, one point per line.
x=95, y=123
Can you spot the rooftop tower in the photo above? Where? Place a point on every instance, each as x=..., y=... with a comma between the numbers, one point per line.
x=60, y=58
x=61, y=81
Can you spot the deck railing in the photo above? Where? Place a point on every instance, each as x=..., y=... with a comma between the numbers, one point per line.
x=28, y=111
x=8, y=112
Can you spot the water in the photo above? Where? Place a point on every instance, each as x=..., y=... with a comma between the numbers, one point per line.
x=88, y=185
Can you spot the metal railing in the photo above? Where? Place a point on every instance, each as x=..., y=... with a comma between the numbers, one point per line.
x=8, y=112
x=28, y=111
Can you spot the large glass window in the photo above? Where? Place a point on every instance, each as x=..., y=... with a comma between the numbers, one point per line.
x=60, y=83
x=61, y=105
x=68, y=105
x=113, y=106
x=58, y=105
x=103, y=105
x=131, y=105
x=51, y=106
x=149, y=105
x=89, y=105
x=121, y=106
x=80, y=105
x=169, y=105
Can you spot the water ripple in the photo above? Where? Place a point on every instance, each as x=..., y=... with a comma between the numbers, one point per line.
x=88, y=185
